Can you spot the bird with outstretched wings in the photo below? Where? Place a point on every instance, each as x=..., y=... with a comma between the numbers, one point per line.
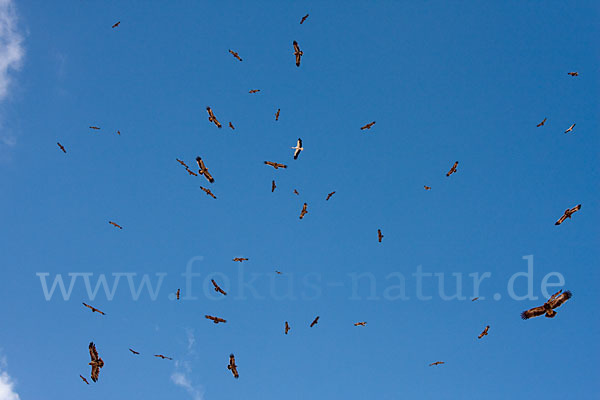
x=212, y=118
x=475, y=299
x=273, y=186
x=436, y=363
x=277, y=114
x=367, y=126
x=298, y=148
x=208, y=192
x=115, y=224
x=555, y=301
x=379, y=235
x=61, y=147
x=287, y=328
x=83, y=378
x=177, y=294
x=453, y=169
x=298, y=53
x=134, y=352
x=216, y=320
x=96, y=128
x=240, y=259
x=254, y=91
x=363, y=323
x=570, y=129
x=96, y=362
x=231, y=126
x=232, y=367
x=275, y=165
x=236, y=55
x=304, y=211
x=182, y=163
x=303, y=19
x=315, y=321
x=218, y=288
x=162, y=357
x=116, y=24
x=93, y=309
x=296, y=192
x=203, y=170
x=484, y=333
x=567, y=214
x=329, y=195
x=427, y=187
x=542, y=123
x=573, y=73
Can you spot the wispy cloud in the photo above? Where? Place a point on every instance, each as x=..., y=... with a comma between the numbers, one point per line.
x=183, y=370
x=182, y=380
x=7, y=390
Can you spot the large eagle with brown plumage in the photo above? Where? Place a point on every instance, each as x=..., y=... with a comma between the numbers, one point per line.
x=568, y=213
x=553, y=302
x=96, y=362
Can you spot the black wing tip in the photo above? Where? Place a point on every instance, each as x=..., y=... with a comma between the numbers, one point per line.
x=568, y=294
x=557, y=223
x=524, y=315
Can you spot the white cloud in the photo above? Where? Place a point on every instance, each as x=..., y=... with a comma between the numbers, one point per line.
x=11, y=45
x=180, y=379
x=7, y=391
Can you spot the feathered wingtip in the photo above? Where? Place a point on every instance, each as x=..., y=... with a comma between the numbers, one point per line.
x=568, y=294
x=524, y=315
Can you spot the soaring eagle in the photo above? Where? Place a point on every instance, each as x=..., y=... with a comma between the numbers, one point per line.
x=115, y=224
x=218, y=288
x=553, y=302
x=254, y=91
x=182, y=163
x=61, y=147
x=277, y=114
x=298, y=148
x=542, y=123
x=427, y=187
x=570, y=128
x=116, y=24
x=364, y=323
x=296, y=192
x=236, y=55
x=208, y=192
x=275, y=165
x=287, y=327
x=329, y=195
x=475, y=298
x=177, y=294
x=273, y=186
x=453, y=169
x=315, y=321
x=93, y=309
x=96, y=128
x=298, y=53
x=85, y=380
x=436, y=363
x=379, y=235
x=134, y=352
x=367, y=126
x=240, y=259
x=573, y=73
x=212, y=118
x=567, y=214
x=163, y=357
x=216, y=320
x=484, y=333
x=232, y=367
x=231, y=126
x=203, y=170
x=96, y=362
x=303, y=19
x=304, y=211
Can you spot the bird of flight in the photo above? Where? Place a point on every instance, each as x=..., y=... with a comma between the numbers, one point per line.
x=116, y=24
x=303, y=19
x=298, y=148
x=216, y=320
x=296, y=192
x=96, y=362
x=367, y=126
x=484, y=333
x=203, y=170
x=573, y=73
x=364, y=323
x=163, y=357
x=555, y=301
x=232, y=367
x=298, y=53
x=453, y=169
x=254, y=91
x=567, y=214
x=208, y=192
x=177, y=294
x=436, y=363
x=570, y=128
x=475, y=298
x=427, y=187
x=236, y=55
x=93, y=309
x=287, y=328
x=240, y=259
x=61, y=147
x=542, y=123
x=85, y=380
x=182, y=163
x=134, y=352
x=277, y=114
x=275, y=165
x=212, y=118
x=95, y=128
x=273, y=186
x=304, y=211
x=315, y=321
x=189, y=171
x=231, y=126
x=278, y=272
x=218, y=288
x=329, y=195
x=379, y=235
x=115, y=224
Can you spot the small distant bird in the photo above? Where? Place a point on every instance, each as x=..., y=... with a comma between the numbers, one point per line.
x=436, y=363
x=236, y=55
x=287, y=327
x=298, y=148
x=177, y=294
x=163, y=357
x=115, y=225
x=277, y=114
x=95, y=128
x=484, y=333
x=240, y=259
x=232, y=367
x=278, y=272
x=189, y=171
x=117, y=24
x=568, y=213
x=254, y=91
x=573, y=73
x=212, y=118
x=61, y=147
x=134, y=352
x=85, y=380
x=453, y=169
x=273, y=186
x=427, y=187
x=275, y=165
x=216, y=320
x=304, y=211
x=360, y=323
x=303, y=19
x=296, y=192
x=93, y=309
x=542, y=123
x=96, y=362
x=555, y=301
x=570, y=128
x=119, y=133
x=298, y=53
x=231, y=126
x=218, y=288
x=475, y=298
x=203, y=170
x=329, y=195
x=208, y=192
x=182, y=163
x=379, y=235
x=367, y=126
x=315, y=321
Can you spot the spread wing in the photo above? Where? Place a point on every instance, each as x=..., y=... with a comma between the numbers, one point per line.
x=561, y=219
x=95, y=373
x=533, y=312
x=93, y=352
x=314, y=322
x=133, y=351
x=273, y=186
x=576, y=208
x=208, y=176
x=85, y=380
x=560, y=299
x=277, y=114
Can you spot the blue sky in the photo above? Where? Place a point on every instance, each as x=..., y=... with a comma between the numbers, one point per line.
x=444, y=81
